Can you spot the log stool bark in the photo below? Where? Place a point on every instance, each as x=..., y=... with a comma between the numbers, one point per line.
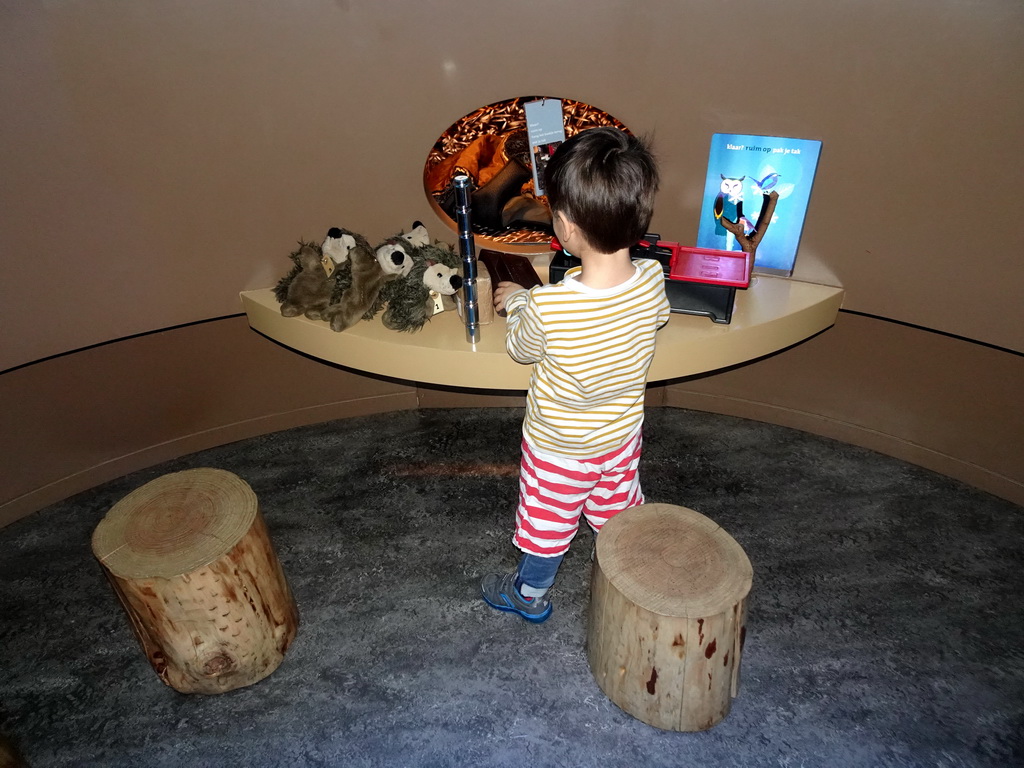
x=191, y=559
x=668, y=616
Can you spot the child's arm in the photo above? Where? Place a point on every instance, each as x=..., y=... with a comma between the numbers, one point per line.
x=664, y=308
x=503, y=291
x=665, y=313
x=524, y=335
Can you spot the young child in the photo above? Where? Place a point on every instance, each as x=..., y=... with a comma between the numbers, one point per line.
x=591, y=339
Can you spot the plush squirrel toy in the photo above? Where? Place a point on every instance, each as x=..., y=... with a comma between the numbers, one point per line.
x=371, y=269
x=425, y=290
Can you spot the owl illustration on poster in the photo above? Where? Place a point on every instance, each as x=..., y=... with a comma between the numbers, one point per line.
x=742, y=169
x=729, y=205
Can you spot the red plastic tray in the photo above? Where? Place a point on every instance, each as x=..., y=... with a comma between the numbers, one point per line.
x=706, y=265
x=699, y=265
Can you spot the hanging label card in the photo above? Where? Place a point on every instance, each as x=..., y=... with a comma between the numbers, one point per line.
x=328, y=264
x=545, y=130
x=438, y=302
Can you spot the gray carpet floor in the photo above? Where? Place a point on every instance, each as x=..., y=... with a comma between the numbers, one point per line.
x=884, y=624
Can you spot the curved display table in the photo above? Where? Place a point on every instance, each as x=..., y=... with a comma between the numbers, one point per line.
x=772, y=314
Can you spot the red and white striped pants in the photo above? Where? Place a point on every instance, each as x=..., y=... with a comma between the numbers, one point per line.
x=554, y=491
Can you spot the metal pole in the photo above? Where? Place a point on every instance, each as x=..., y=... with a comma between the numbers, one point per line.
x=467, y=249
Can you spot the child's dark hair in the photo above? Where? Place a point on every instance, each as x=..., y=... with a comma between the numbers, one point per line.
x=604, y=181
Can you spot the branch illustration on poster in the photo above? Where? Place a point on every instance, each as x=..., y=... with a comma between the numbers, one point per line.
x=741, y=170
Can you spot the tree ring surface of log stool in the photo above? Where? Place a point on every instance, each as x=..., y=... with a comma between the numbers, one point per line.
x=191, y=560
x=668, y=616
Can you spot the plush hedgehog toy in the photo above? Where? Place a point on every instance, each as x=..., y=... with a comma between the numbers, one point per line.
x=395, y=253
x=412, y=300
x=301, y=291
x=371, y=269
x=306, y=290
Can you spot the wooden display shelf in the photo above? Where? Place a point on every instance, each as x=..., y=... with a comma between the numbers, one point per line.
x=772, y=314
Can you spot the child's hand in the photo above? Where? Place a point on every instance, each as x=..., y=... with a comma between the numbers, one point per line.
x=503, y=291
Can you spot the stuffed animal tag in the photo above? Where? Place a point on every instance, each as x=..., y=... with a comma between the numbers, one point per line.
x=328, y=264
x=438, y=302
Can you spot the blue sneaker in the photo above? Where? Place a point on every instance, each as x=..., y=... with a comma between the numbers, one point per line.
x=499, y=591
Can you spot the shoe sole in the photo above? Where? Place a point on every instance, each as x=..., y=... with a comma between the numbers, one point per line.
x=529, y=617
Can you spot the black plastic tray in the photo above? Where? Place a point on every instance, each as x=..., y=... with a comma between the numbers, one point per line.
x=685, y=297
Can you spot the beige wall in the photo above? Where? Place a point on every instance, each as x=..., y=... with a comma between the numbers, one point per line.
x=923, y=397
x=160, y=157
x=82, y=419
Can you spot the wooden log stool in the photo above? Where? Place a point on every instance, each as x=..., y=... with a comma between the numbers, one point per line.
x=190, y=558
x=668, y=616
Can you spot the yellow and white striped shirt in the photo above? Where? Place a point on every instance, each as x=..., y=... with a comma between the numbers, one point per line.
x=592, y=350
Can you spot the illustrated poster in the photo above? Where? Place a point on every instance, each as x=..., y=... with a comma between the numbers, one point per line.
x=741, y=169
